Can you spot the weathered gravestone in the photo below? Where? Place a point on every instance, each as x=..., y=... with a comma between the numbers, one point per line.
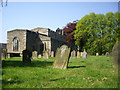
x=62, y=57
x=26, y=56
x=73, y=54
x=34, y=55
x=78, y=54
x=8, y=55
x=52, y=54
x=107, y=54
x=39, y=56
x=45, y=55
x=4, y=53
x=116, y=53
x=81, y=54
x=84, y=54
x=97, y=54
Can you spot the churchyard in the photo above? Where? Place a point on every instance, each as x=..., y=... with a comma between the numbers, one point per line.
x=90, y=72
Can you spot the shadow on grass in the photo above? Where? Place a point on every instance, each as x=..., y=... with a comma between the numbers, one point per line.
x=76, y=67
x=21, y=64
x=5, y=82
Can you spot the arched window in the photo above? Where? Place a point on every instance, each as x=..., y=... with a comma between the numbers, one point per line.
x=15, y=44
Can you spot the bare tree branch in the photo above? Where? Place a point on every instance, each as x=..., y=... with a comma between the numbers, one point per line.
x=1, y=3
x=6, y=2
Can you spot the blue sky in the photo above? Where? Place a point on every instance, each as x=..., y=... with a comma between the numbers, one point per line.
x=29, y=15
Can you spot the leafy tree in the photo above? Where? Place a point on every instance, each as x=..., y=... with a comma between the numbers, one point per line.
x=97, y=32
x=68, y=31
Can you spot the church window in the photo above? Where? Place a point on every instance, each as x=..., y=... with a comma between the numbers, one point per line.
x=15, y=44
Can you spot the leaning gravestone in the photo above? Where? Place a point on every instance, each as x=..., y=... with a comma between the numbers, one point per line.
x=84, y=54
x=34, y=55
x=62, y=57
x=26, y=56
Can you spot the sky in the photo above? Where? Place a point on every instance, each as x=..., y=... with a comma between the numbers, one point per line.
x=30, y=15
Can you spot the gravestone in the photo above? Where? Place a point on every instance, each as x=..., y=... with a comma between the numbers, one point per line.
x=81, y=54
x=52, y=54
x=116, y=53
x=26, y=56
x=62, y=57
x=78, y=54
x=39, y=56
x=97, y=54
x=73, y=54
x=8, y=55
x=4, y=53
x=34, y=55
x=45, y=55
x=107, y=54
x=84, y=54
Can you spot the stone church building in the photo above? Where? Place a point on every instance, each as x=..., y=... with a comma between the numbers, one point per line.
x=38, y=39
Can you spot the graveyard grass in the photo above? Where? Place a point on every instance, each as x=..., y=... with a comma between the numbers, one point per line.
x=93, y=72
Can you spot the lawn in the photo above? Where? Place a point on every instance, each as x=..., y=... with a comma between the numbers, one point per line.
x=93, y=72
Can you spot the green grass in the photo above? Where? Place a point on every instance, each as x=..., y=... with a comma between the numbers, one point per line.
x=93, y=72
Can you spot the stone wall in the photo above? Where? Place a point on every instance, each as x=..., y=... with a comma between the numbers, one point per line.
x=57, y=36
x=21, y=35
x=41, y=30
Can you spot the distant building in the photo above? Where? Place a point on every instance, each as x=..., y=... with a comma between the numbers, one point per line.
x=38, y=39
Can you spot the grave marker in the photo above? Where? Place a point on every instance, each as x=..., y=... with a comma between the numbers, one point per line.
x=62, y=57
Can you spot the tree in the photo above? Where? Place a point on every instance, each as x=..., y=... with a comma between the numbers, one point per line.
x=97, y=32
x=2, y=3
x=68, y=31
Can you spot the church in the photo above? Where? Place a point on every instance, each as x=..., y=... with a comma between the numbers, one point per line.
x=38, y=39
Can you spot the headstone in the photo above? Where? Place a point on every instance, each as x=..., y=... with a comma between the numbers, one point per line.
x=34, y=55
x=116, y=53
x=4, y=53
x=52, y=54
x=62, y=57
x=84, y=55
x=107, y=54
x=45, y=55
x=8, y=55
x=39, y=56
x=78, y=54
x=73, y=54
x=26, y=56
x=97, y=54
x=81, y=54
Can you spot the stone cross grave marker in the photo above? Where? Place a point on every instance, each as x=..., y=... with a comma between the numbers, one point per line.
x=84, y=54
x=62, y=57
